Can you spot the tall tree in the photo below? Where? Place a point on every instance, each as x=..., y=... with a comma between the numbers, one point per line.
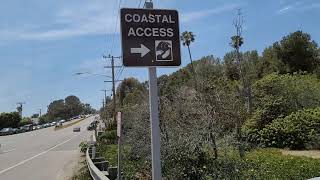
x=128, y=86
x=35, y=116
x=87, y=109
x=298, y=52
x=236, y=43
x=9, y=120
x=187, y=38
x=56, y=109
x=73, y=106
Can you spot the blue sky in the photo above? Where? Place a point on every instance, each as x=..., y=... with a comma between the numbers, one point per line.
x=43, y=43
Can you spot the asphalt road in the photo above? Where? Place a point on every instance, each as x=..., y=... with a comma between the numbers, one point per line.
x=43, y=154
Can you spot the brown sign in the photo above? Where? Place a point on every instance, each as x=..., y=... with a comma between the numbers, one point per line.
x=150, y=37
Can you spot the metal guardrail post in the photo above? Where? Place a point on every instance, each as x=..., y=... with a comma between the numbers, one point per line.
x=95, y=173
x=93, y=152
x=95, y=162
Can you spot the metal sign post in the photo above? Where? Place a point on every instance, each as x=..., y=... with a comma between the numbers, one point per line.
x=151, y=38
x=119, y=143
x=154, y=118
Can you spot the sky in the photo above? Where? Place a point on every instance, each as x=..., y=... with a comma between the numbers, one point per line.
x=44, y=43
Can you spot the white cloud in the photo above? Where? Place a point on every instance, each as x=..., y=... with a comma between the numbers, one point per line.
x=192, y=16
x=283, y=10
x=87, y=18
x=299, y=6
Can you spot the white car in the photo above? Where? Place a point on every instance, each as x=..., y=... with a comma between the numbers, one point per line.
x=62, y=121
x=58, y=124
x=53, y=123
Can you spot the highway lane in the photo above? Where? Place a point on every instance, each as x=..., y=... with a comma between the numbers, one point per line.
x=43, y=154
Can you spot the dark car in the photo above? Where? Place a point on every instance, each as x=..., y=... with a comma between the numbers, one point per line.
x=76, y=129
x=90, y=127
x=6, y=131
x=15, y=130
x=20, y=130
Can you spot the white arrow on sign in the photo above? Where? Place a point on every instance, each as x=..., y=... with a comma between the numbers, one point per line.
x=143, y=50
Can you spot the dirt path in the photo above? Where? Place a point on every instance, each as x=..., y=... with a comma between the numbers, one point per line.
x=312, y=153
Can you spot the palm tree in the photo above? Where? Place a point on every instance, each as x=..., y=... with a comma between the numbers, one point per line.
x=187, y=38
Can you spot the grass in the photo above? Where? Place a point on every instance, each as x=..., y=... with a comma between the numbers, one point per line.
x=68, y=125
x=130, y=168
x=272, y=164
x=83, y=173
x=110, y=153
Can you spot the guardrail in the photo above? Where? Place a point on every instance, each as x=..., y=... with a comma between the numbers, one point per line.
x=98, y=167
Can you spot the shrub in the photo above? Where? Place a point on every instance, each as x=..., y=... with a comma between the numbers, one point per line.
x=109, y=137
x=277, y=96
x=83, y=146
x=295, y=131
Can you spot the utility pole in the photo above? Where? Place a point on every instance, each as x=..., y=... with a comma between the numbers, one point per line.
x=114, y=108
x=105, y=103
x=113, y=83
x=103, y=106
x=39, y=112
x=20, y=108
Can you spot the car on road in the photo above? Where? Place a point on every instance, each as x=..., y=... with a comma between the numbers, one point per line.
x=19, y=130
x=76, y=129
x=53, y=123
x=59, y=124
x=14, y=130
x=28, y=127
x=90, y=127
x=62, y=121
x=6, y=131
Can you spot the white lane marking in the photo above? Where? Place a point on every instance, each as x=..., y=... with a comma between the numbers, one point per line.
x=44, y=152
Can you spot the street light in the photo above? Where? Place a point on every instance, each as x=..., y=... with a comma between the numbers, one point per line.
x=114, y=81
x=94, y=74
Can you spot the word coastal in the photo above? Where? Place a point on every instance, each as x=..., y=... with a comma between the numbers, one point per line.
x=150, y=31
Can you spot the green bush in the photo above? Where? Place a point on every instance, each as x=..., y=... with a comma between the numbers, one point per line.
x=25, y=121
x=295, y=131
x=9, y=120
x=277, y=96
x=83, y=146
x=109, y=137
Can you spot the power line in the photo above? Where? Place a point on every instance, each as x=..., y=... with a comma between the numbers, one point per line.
x=115, y=28
x=120, y=72
x=139, y=5
x=108, y=36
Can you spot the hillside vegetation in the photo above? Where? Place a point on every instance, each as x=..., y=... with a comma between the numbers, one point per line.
x=217, y=122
